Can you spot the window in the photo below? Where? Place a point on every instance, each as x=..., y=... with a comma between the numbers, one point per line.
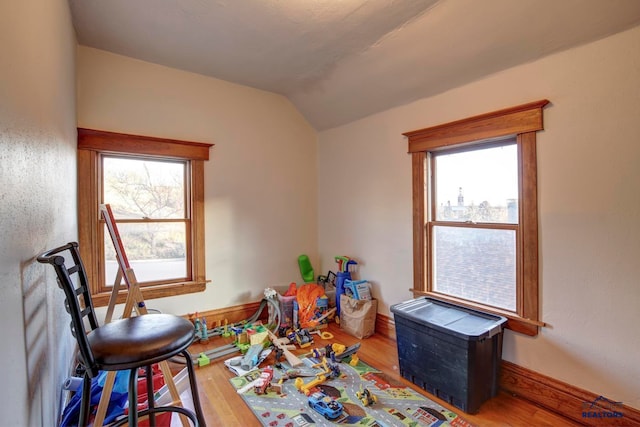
x=155, y=189
x=474, y=239
x=475, y=213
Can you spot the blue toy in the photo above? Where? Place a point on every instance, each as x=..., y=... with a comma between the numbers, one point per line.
x=325, y=406
x=341, y=277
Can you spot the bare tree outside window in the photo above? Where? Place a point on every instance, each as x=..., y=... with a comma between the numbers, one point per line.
x=147, y=198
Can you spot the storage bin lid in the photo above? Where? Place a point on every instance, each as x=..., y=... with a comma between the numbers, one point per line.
x=460, y=321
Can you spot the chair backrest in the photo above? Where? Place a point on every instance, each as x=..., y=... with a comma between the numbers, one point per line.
x=72, y=278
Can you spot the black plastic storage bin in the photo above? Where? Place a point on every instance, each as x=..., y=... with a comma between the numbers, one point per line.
x=452, y=352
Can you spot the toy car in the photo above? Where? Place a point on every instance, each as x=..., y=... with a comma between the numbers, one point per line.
x=366, y=397
x=325, y=406
x=262, y=383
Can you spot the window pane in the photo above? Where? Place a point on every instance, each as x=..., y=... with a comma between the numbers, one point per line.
x=142, y=188
x=476, y=264
x=156, y=251
x=479, y=185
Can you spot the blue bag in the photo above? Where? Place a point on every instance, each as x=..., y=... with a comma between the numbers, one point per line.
x=117, y=402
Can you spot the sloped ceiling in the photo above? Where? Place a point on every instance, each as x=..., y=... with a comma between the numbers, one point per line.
x=341, y=60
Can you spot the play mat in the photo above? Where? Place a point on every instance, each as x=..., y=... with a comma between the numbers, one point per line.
x=397, y=405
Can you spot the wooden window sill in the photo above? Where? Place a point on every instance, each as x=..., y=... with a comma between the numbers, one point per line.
x=152, y=292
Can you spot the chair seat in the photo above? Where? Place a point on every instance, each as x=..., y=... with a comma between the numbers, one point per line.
x=140, y=341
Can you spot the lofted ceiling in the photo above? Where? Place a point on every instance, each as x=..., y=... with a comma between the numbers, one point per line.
x=341, y=60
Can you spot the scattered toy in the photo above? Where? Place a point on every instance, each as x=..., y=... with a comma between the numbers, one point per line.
x=354, y=360
x=261, y=384
x=203, y=360
x=282, y=344
x=366, y=397
x=325, y=406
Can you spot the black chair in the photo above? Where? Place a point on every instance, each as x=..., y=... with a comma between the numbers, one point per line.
x=125, y=344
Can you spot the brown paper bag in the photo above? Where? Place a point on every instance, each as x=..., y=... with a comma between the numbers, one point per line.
x=358, y=317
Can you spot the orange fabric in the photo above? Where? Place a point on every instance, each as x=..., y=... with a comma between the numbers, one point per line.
x=307, y=296
x=291, y=292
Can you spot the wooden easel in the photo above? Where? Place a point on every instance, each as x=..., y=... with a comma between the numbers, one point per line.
x=134, y=301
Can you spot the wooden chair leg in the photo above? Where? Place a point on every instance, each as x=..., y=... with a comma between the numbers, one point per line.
x=173, y=390
x=104, y=399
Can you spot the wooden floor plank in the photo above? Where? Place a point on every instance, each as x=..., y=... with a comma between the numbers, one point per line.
x=222, y=406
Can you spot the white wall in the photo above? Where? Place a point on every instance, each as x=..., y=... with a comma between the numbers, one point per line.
x=260, y=183
x=37, y=204
x=589, y=206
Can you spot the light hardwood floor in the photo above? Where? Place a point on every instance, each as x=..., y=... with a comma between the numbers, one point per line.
x=222, y=406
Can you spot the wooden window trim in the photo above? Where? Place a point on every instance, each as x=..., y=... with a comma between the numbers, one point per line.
x=93, y=142
x=522, y=121
x=112, y=142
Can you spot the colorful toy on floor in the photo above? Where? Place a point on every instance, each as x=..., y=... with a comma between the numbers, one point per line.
x=226, y=330
x=301, y=336
x=366, y=397
x=354, y=360
x=250, y=359
x=283, y=347
x=261, y=385
x=325, y=406
x=329, y=371
x=204, y=334
x=203, y=360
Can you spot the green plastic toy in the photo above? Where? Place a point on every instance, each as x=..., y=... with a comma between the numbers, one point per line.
x=306, y=270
